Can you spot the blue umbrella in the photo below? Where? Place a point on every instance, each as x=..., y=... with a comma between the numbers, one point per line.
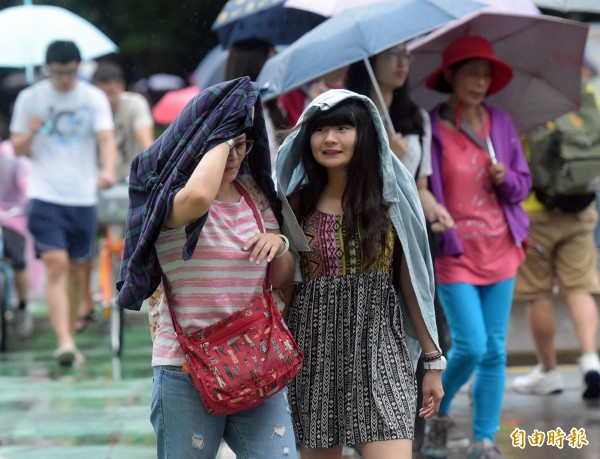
x=268, y=20
x=354, y=35
x=211, y=69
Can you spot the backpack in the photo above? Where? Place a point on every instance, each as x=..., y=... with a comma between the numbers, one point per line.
x=565, y=158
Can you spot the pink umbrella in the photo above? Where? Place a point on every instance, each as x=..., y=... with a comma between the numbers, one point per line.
x=545, y=53
x=171, y=104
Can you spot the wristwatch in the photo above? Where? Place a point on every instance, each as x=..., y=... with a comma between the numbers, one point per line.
x=438, y=364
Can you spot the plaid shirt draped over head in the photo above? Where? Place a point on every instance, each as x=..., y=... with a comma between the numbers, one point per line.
x=217, y=114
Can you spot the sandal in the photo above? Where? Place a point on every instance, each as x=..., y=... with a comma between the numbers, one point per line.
x=65, y=356
x=83, y=321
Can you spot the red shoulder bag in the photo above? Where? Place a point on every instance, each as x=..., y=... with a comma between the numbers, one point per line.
x=239, y=361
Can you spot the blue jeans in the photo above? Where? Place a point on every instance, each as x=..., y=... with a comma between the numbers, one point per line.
x=478, y=318
x=185, y=430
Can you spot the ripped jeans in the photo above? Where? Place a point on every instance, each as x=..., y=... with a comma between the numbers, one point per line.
x=185, y=430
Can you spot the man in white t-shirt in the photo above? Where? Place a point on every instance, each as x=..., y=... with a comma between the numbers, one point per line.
x=62, y=123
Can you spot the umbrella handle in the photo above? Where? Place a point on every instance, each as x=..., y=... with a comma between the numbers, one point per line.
x=488, y=141
x=386, y=113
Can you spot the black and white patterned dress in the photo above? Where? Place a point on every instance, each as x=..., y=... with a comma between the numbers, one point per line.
x=357, y=382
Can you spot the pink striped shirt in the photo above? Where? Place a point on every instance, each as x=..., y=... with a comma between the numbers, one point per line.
x=219, y=278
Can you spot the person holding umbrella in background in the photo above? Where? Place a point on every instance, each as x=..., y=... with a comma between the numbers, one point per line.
x=480, y=175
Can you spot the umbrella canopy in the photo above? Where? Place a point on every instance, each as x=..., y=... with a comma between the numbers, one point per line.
x=353, y=35
x=566, y=6
x=269, y=21
x=211, y=69
x=545, y=53
x=333, y=7
x=512, y=6
x=27, y=30
x=171, y=104
x=327, y=7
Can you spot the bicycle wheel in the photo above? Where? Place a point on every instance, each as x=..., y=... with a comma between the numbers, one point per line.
x=3, y=307
x=117, y=313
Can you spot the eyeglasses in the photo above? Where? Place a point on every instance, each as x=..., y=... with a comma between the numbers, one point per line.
x=242, y=148
x=62, y=73
x=403, y=57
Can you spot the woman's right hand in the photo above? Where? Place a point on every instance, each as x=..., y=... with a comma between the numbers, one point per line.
x=433, y=392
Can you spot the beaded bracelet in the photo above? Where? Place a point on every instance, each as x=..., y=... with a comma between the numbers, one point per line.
x=431, y=356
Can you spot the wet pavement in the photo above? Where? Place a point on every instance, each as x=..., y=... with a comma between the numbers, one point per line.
x=100, y=409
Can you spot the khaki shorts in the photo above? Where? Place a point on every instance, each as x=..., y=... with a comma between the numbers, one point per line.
x=561, y=248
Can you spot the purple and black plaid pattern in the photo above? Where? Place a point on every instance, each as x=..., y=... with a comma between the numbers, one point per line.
x=218, y=113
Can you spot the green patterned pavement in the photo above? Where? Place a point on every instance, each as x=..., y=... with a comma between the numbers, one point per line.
x=98, y=409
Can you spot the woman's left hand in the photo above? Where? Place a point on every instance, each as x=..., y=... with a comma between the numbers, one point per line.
x=497, y=172
x=398, y=144
x=432, y=394
x=439, y=218
x=264, y=246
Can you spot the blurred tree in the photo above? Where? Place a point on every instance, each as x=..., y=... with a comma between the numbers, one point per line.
x=154, y=36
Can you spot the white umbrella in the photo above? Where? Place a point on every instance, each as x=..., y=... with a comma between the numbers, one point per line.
x=512, y=6
x=566, y=6
x=545, y=53
x=27, y=30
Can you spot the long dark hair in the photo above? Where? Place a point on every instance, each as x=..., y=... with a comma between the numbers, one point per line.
x=405, y=114
x=247, y=58
x=362, y=202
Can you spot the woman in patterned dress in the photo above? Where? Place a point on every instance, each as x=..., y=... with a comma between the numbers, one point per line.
x=357, y=384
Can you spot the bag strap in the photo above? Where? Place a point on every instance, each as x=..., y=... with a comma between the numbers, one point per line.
x=268, y=285
x=448, y=114
x=176, y=326
x=258, y=219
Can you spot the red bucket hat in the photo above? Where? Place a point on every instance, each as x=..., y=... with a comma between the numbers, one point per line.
x=471, y=47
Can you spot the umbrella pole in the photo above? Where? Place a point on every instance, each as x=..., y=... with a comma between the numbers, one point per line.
x=29, y=68
x=29, y=73
x=386, y=113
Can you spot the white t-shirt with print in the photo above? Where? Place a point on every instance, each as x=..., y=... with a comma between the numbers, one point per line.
x=64, y=151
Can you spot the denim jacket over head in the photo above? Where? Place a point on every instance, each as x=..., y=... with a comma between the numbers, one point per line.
x=513, y=190
x=400, y=197
x=217, y=114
